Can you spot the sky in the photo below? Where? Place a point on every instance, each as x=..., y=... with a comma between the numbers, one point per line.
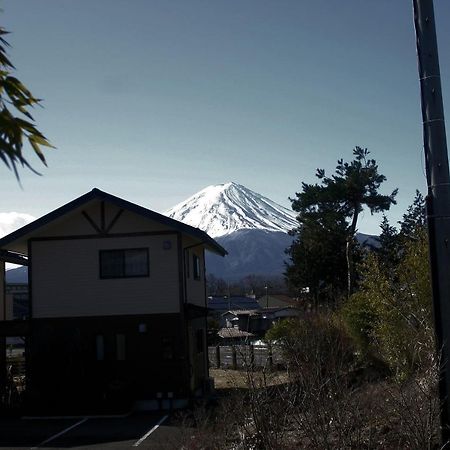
x=153, y=100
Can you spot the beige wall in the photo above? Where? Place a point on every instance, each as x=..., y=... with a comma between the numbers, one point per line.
x=195, y=289
x=66, y=282
x=75, y=223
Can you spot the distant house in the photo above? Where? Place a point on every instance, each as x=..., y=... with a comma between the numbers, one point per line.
x=231, y=336
x=17, y=301
x=256, y=321
x=117, y=308
x=219, y=305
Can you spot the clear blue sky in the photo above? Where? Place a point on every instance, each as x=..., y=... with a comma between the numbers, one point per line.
x=153, y=100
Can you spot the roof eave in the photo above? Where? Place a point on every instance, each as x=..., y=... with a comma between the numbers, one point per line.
x=211, y=244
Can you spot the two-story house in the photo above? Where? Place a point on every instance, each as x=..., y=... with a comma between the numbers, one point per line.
x=117, y=309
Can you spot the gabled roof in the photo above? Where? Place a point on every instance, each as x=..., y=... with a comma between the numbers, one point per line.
x=242, y=312
x=233, y=333
x=97, y=194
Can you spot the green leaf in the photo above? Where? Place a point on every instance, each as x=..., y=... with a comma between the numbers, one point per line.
x=37, y=149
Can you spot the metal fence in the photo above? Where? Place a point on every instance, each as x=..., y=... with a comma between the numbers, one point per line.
x=244, y=356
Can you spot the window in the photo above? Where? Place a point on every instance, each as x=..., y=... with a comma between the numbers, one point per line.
x=124, y=263
x=120, y=347
x=196, y=267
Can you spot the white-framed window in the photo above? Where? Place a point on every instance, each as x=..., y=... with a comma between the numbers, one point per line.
x=124, y=263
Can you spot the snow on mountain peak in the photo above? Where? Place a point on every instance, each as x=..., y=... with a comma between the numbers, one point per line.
x=224, y=208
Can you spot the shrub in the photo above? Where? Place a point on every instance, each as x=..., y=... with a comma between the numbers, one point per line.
x=390, y=317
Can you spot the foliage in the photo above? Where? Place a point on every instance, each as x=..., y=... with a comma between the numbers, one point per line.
x=316, y=337
x=14, y=130
x=282, y=331
x=390, y=317
x=318, y=256
x=414, y=220
x=389, y=252
x=328, y=215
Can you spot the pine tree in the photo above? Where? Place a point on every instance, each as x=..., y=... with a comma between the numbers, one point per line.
x=415, y=219
x=389, y=253
x=337, y=202
x=318, y=256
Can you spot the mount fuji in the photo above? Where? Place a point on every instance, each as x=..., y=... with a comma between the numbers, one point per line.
x=251, y=227
x=225, y=208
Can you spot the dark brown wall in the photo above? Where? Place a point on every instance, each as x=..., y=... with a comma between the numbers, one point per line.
x=63, y=370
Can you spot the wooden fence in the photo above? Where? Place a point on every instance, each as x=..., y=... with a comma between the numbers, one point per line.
x=244, y=356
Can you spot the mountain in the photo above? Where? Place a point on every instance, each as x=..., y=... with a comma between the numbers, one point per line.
x=250, y=252
x=225, y=208
x=251, y=227
x=17, y=275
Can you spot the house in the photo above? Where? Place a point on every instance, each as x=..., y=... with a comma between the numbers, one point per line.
x=117, y=305
x=256, y=321
x=16, y=301
x=218, y=305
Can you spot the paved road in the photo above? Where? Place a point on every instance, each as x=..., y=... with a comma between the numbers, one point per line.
x=141, y=431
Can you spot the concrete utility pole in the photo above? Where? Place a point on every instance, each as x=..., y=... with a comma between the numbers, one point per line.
x=438, y=199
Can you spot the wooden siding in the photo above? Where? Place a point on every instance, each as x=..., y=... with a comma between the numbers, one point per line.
x=64, y=372
x=66, y=281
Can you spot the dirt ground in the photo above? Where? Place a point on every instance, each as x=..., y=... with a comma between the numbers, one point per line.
x=225, y=379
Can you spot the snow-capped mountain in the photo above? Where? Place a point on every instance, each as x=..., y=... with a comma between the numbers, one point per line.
x=251, y=227
x=225, y=208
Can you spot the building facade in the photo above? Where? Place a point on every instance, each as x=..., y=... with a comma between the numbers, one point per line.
x=117, y=311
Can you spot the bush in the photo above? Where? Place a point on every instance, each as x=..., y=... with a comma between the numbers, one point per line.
x=390, y=317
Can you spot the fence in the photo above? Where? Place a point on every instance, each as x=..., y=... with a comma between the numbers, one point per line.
x=243, y=356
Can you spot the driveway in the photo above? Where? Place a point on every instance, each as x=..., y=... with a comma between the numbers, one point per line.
x=141, y=431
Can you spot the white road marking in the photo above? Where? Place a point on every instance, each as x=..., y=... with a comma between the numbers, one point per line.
x=57, y=435
x=149, y=432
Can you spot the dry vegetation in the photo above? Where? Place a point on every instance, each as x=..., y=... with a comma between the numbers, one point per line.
x=323, y=400
x=227, y=379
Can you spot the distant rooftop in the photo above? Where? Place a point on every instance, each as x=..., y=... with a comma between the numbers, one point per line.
x=233, y=333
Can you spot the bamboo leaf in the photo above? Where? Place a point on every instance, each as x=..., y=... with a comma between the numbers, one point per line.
x=37, y=149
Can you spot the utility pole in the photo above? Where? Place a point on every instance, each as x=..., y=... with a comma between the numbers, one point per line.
x=438, y=199
x=266, y=287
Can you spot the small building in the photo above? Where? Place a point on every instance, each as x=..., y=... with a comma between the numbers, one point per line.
x=219, y=305
x=257, y=321
x=16, y=301
x=117, y=306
